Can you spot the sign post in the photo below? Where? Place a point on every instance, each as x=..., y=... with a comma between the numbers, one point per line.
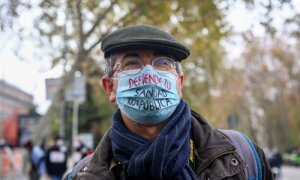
x=75, y=124
x=76, y=94
x=52, y=86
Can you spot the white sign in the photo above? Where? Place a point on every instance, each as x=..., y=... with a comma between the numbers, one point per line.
x=52, y=86
x=77, y=91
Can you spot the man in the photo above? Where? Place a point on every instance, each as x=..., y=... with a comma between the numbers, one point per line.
x=154, y=133
x=56, y=159
x=37, y=160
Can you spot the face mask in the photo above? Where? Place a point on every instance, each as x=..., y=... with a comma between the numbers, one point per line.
x=59, y=142
x=148, y=97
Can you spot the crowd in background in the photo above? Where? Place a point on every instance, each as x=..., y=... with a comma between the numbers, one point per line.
x=277, y=159
x=52, y=160
x=47, y=161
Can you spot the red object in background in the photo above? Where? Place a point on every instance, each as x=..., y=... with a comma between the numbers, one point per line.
x=89, y=152
x=10, y=129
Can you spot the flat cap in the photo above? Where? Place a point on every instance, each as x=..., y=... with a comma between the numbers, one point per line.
x=143, y=37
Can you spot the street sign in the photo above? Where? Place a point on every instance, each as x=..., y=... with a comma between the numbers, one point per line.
x=52, y=86
x=77, y=91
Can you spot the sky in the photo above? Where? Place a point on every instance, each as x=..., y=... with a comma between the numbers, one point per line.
x=27, y=75
x=30, y=75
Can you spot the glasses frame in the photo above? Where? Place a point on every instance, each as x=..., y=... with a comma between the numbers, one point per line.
x=174, y=64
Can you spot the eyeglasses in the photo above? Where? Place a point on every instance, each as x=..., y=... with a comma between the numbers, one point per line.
x=134, y=65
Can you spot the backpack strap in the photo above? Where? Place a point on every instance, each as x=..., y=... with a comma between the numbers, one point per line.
x=78, y=166
x=247, y=151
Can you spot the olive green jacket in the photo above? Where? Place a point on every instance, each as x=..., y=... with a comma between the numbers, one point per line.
x=215, y=157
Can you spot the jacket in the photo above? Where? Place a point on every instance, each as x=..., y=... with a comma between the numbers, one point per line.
x=214, y=157
x=56, y=161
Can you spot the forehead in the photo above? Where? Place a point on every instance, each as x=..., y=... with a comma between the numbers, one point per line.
x=141, y=53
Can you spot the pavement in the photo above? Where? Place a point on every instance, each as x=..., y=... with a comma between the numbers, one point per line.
x=290, y=173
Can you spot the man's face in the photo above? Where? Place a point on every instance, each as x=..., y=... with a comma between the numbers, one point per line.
x=110, y=85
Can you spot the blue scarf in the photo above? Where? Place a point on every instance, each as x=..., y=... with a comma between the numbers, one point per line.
x=165, y=157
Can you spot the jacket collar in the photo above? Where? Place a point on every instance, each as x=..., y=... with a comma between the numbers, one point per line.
x=103, y=154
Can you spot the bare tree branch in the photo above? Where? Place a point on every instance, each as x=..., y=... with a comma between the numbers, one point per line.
x=97, y=42
x=100, y=17
x=122, y=21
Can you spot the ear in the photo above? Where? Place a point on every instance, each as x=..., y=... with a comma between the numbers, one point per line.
x=180, y=82
x=108, y=86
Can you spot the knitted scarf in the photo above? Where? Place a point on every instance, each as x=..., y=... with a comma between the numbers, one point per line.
x=165, y=157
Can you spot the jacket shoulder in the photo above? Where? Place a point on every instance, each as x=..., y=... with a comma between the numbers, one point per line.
x=99, y=165
x=214, y=152
x=74, y=171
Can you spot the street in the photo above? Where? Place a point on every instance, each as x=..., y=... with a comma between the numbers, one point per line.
x=290, y=173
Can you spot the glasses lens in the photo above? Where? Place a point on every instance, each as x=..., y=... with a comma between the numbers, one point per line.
x=130, y=65
x=163, y=64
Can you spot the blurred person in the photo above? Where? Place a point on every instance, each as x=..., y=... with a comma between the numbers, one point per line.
x=36, y=159
x=56, y=159
x=154, y=133
x=81, y=151
x=267, y=152
x=7, y=159
x=276, y=163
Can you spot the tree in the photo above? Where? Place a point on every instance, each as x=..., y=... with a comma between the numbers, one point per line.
x=271, y=92
x=71, y=31
x=86, y=22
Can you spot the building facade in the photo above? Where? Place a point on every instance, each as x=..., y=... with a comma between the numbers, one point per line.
x=13, y=103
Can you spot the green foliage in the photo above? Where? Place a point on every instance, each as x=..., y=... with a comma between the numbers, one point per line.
x=272, y=91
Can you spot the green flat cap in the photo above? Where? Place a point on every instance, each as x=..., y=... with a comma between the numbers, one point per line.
x=143, y=37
